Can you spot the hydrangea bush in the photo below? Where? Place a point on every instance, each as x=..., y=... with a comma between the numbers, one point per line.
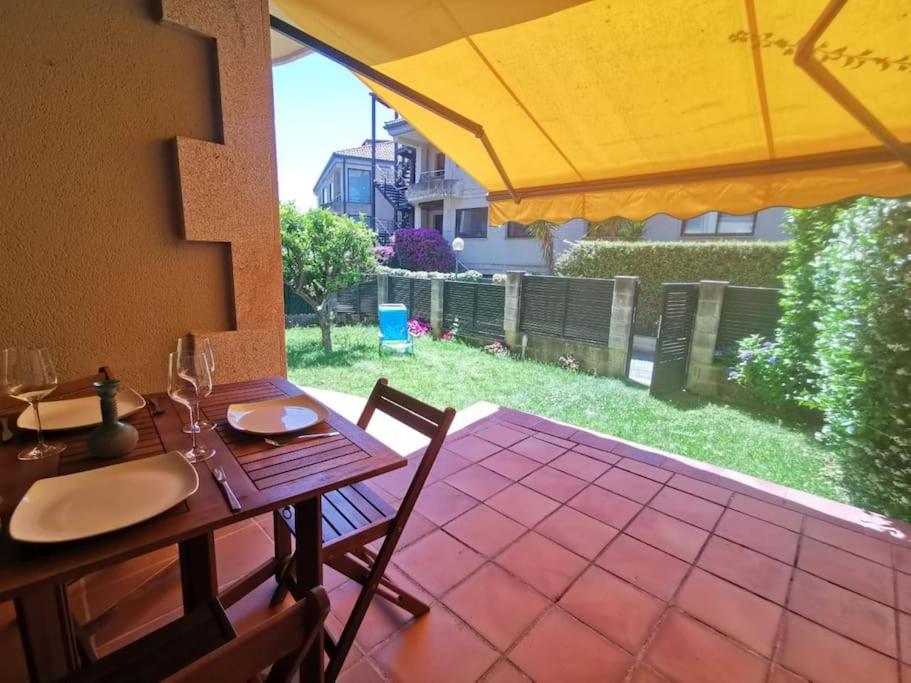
x=423, y=249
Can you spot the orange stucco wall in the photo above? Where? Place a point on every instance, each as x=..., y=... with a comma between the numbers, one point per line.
x=93, y=263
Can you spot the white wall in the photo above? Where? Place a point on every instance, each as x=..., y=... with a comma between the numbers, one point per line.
x=664, y=228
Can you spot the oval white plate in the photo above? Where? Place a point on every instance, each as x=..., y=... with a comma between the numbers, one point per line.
x=105, y=499
x=75, y=413
x=276, y=416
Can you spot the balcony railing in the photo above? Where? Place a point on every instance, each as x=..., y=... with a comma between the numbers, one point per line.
x=334, y=205
x=432, y=186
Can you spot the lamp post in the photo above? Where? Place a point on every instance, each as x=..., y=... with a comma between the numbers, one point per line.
x=458, y=246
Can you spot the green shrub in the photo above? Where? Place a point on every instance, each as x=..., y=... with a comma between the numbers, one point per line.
x=755, y=264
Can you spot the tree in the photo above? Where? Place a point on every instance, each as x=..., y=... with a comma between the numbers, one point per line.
x=322, y=253
x=543, y=231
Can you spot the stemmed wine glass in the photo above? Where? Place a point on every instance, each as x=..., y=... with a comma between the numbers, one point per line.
x=191, y=345
x=188, y=379
x=29, y=375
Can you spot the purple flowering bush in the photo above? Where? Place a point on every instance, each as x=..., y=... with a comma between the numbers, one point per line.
x=423, y=249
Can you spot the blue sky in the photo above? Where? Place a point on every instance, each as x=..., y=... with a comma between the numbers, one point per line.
x=319, y=107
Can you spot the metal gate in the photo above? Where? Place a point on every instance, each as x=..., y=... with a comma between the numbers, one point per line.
x=672, y=351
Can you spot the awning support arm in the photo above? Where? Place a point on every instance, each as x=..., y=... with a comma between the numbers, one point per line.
x=397, y=87
x=806, y=60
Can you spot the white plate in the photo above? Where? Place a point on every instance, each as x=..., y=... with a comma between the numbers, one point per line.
x=97, y=501
x=74, y=413
x=276, y=416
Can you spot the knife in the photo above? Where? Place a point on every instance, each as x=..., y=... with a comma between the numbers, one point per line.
x=220, y=477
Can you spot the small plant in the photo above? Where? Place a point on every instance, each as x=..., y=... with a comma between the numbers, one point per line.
x=383, y=254
x=757, y=363
x=569, y=363
x=418, y=328
x=497, y=348
x=454, y=330
x=447, y=336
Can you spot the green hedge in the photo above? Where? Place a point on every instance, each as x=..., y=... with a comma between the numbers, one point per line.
x=756, y=264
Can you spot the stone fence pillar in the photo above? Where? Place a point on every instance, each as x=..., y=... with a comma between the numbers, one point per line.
x=700, y=376
x=512, y=308
x=436, y=307
x=382, y=289
x=620, y=336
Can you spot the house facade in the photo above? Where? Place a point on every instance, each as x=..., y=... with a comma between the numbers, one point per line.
x=345, y=184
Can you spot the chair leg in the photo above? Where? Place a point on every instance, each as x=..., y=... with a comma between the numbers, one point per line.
x=388, y=590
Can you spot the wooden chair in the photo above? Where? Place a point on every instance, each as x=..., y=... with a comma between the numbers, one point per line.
x=355, y=516
x=202, y=646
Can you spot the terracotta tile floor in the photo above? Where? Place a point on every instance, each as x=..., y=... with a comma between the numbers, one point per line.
x=554, y=554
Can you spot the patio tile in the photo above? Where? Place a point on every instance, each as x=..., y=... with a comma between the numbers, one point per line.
x=381, y=621
x=542, y=564
x=485, y=530
x=641, y=454
x=781, y=675
x=505, y=671
x=597, y=453
x=437, y=647
x=643, y=566
x=613, y=607
x=511, y=465
x=538, y=450
x=441, y=502
x=903, y=586
x=595, y=441
x=644, y=470
x=580, y=533
x=559, y=649
x=686, y=650
x=523, y=505
x=554, y=440
x=519, y=417
x=646, y=674
x=417, y=527
x=500, y=435
x=446, y=463
x=847, y=570
x=362, y=672
x=747, y=568
x=629, y=485
x=555, y=429
x=776, y=514
x=823, y=656
x=902, y=558
x=668, y=534
x=554, y=483
x=605, y=506
x=852, y=541
x=478, y=482
x=579, y=465
x=496, y=604
x=716, y=494
x=764, y=537
x=438, y=561
x=904, y=637
x=731, y=610
x=847, y=613
x=397, y=481
x=687, y=507
x=471, y=447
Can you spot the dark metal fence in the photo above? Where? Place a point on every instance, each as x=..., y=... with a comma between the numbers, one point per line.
x=475, y=308
x=747, y=311
x=359, y=299
x=568, y=307
x=414, y=293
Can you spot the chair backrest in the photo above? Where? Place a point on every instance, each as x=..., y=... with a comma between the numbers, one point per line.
x=393, y=322
x=421, y=417
x=281, y=642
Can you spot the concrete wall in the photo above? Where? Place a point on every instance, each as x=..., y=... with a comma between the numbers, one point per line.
x=95, y=265
x=664, y=228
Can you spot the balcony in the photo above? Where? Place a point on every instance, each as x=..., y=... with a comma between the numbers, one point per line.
x=433, y=186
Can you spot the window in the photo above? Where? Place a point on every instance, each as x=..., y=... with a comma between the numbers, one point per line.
x=718, y=223
x=358, y=186
x=471, y=222
x=515, y=230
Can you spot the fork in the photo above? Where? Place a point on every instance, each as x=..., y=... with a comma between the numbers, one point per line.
x=299, y=437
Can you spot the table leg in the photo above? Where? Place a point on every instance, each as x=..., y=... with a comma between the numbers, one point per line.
x=46, y=628
x=309, y=574
x=198, y=578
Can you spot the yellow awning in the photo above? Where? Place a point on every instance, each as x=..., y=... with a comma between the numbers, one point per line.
x=632, y=108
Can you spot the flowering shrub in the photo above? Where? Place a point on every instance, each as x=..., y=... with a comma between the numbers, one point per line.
x=470, y=275
x=423, y=249
x=417, y=328
x=497, y=348
x=447, y=335
x=383, y=254
x=756, y=363
x=568, y=362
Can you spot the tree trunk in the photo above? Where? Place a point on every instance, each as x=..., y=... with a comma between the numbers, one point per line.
x=324, y=326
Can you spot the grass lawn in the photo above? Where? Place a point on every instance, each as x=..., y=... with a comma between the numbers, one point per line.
x=451, y=373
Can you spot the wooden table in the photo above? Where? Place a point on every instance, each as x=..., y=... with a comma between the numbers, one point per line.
x=265, y=479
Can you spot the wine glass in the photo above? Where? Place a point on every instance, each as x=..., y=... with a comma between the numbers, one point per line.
x=188, y=378
x=189, y=344
x=29, y=375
